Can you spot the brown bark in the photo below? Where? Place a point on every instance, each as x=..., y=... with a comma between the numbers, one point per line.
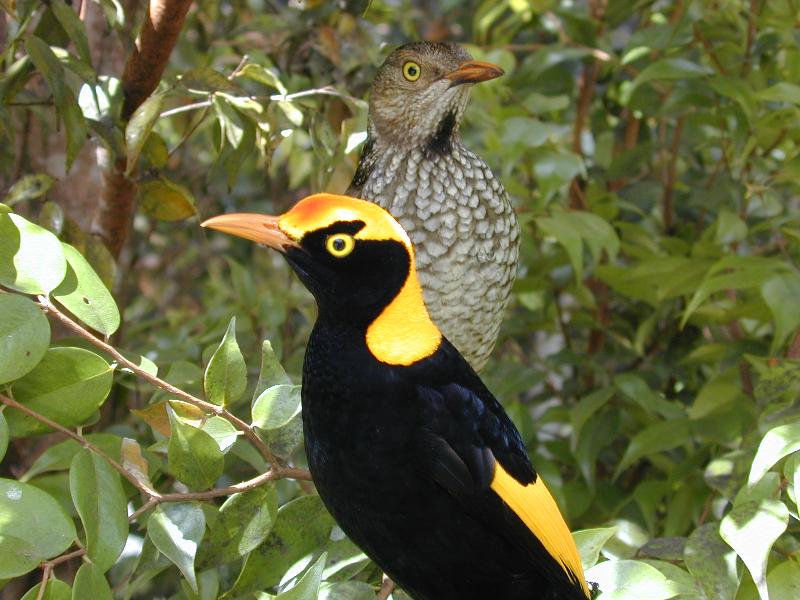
x=163, y=22
x=160, y=30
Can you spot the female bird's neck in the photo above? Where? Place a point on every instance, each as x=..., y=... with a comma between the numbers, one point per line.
x=438, y=139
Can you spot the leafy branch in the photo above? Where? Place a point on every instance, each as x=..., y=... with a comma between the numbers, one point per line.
x=280, y=469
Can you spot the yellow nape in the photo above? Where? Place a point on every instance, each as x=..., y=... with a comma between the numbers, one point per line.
x=404, y=333
x=321, y=210
x=537, y=508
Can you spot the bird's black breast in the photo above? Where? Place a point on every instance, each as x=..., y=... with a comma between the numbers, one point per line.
x=367, y=431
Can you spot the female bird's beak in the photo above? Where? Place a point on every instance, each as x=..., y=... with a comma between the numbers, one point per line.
x=263, y=229
x=473, y=71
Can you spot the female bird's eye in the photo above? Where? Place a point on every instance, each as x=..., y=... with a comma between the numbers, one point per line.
x=411, y=71
x=340, y=244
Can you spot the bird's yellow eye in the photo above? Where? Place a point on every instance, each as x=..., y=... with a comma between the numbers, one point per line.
x=411, y=70
x=340, y=244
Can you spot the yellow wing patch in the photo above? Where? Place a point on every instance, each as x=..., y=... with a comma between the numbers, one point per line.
x=537, y=508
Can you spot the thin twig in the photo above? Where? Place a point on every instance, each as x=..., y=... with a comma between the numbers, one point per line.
x=670, y=171
x=53, y=562
x=46, y=571
x=248, y=431
x=80, y=439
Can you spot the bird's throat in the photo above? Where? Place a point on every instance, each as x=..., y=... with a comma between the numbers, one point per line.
x=403, y=333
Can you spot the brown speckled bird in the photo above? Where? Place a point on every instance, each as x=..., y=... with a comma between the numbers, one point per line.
x=457, y=213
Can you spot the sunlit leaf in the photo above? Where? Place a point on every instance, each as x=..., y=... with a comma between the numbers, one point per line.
x=31, y=258
x=590, y=542
x=85, y=295
x=750, y=529
x=630, y=580
x=176, y=530
x=26, y=538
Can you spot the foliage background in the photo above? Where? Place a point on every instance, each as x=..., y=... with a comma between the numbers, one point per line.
x=649, y=357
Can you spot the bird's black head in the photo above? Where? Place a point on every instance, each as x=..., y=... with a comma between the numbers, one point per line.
x=420, y=92
x=358, y=262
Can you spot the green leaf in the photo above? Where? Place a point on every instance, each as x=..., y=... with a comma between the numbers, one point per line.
x=302, y=526
x=262, y=75
x=575, y=229
x=33, y=528
x=712, y=562
x=590, y=542
x=271, y=373
x=630, y=580
x=90, y=582
x=194, y=456
x=782, y=91
x=276, y=406
x=4, y=435
x=780, y=293
x=659, y=437
x=668, y=69
x=85, y=295
x=67, y=107
x=58, y=457
x=24, y=336
x=784, y=580
x=176, y=530
x=733, y=273
x=776, y=443
x=226, y=374
x=97, y=494
x=308, y=586
x=29, y=187
x=54, y=590
x=68, y=386
x=717, y=394
x=69, y=20
x=244, y=521
x=139, y=127
x=222, y=431
x=585, y=408
x=166, y=200
x=31, y=258
x=750, y=529
x=635, y=388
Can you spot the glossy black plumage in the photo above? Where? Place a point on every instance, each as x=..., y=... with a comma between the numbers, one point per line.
x=405, y=443
x=378, y=441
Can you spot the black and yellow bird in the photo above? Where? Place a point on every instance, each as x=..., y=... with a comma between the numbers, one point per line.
x=411, y=453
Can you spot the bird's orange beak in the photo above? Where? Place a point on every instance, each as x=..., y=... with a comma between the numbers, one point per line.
x=474, y=71
x=263, y=229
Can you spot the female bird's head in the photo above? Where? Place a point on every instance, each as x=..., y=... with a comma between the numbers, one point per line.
x=357, y=261
x=420, y=92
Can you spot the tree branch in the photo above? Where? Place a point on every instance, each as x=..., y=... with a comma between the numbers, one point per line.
x=248, y=431
x=162, y=23
x=10, y=402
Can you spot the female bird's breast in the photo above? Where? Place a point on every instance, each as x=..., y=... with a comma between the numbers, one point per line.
x=465, y=234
